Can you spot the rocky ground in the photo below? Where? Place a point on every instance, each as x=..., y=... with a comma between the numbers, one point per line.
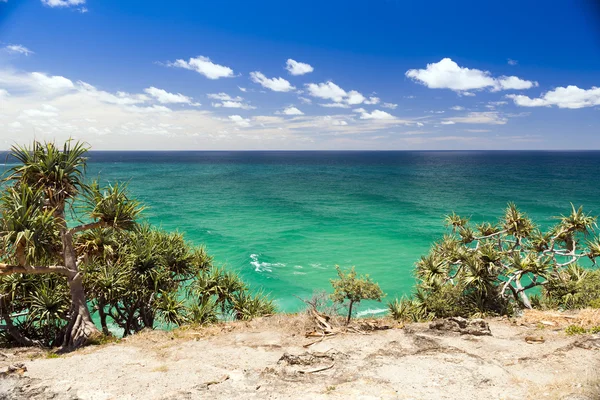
x=271, y=358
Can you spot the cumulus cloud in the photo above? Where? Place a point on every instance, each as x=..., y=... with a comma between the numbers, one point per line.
x=63, y=3
x=447, y=74
x=457, y=108
x=233, y=104
x=240, y=121
x=334, y=105
x=377, y=114
x=204, y=66
x=487, y=118
x=165, y=97
x=52, y=82
x=373, y=100
x=292, y=111
x=274, y=84
x=18, y=49
x=327, y=91
x=298, y=68
x=562, y=97
x=391, y=106
x=354, y=97
x=305, y=100
x=223, y=97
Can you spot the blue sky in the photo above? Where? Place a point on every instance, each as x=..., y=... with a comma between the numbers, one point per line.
x=378, y=74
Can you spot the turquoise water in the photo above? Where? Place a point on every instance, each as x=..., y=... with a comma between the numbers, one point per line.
x=285, y=219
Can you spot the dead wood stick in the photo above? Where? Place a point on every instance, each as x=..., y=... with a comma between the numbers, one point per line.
x=312, y=371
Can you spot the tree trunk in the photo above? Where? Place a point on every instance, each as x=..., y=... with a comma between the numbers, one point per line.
x=349, y=312
x=80, y=328
x=13, y=330
x=102, y=314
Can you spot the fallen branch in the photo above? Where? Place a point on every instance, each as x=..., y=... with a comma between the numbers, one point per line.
x=312, y=371
x=220, y=380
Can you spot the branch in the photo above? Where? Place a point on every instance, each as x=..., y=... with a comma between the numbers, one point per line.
x=85, y=227
x=491, y=235
x=6, y=269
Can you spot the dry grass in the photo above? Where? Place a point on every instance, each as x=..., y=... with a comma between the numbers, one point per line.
x=586, y=318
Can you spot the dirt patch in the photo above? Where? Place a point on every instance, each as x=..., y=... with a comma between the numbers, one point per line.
x=272, y=358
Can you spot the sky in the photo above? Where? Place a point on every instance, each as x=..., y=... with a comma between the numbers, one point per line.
x=310, y=75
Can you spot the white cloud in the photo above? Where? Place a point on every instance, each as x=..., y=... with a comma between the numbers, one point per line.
x=4, y=93
x=223, y=97
x=120, y=98
x=448, y=122
x=292, y=111
x=242, y=89
x=562, y=97
x=165, y=97
x=338, y=122
x=341, y=99
x=514, y=83
x=327, y=90
x=275, y=84
x=359, y=110
x=334, y=105
x=487, y=117
x=457, y=108
x=354, y=98
x=298, y=68
x=240, y=121
x=377, y=114
x=233, y=104
x=446, y=74
x=305, y=100
x=62, y=3
x=391, y=106
x=19, y=49
x=204, y=66
x=52, y=82
x=46, y=111
x=512, y=62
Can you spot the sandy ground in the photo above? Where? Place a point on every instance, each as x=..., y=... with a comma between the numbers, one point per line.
x=266, y=359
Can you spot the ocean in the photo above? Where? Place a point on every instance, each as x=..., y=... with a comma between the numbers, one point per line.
x=285, y=219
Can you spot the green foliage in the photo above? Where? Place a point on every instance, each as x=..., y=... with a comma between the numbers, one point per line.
x=354, y=289
x=491, y=268
x=42, y=304
x=575, y=330
x=573, y=287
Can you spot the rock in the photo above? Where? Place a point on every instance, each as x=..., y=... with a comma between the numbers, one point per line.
x=476, y=327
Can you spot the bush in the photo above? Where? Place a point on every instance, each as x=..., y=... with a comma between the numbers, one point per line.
x=492, y=268
x=354, y=289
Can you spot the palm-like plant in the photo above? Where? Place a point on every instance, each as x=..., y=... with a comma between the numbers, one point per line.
x=36, y=238
x=468, y=275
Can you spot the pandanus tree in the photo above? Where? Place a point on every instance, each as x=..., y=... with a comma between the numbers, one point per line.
x=36, y=232
x=493, y=267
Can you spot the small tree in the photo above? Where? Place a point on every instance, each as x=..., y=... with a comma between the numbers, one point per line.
x=354, y=289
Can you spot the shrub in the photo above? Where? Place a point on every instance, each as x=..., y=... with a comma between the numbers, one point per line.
x=354, y=289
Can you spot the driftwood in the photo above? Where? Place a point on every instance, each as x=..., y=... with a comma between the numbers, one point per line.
x=312, y=371
x=218, y=381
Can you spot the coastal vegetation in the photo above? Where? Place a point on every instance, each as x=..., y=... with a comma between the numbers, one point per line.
x=354, y=289
x=68, y=245
x=500, y=268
